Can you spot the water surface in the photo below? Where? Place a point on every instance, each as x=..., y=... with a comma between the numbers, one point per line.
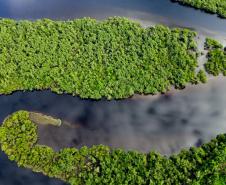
x=164, y=123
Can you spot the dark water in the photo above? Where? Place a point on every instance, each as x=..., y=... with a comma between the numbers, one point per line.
x=162, y=11
x=165, y=123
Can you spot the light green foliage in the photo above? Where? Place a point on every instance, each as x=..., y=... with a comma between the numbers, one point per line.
x=20, y=134
x=216, y=63
x=212, y=6
x=202, y=76
x=112, y=59
x=212, y=44
x=101, y=165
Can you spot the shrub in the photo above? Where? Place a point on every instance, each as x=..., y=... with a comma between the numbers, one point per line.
x=216, y=63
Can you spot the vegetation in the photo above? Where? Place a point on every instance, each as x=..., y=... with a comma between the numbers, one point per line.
x=212, y=44
x=114, y=59
x=216, y=63
x=202, y=76
x=111, y=59
x=212, y=6
x=102, y=165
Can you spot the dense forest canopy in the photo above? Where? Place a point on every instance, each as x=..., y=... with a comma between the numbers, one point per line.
x=114, y=59
x=216, y=63
x=103, y=165
x=212, y=6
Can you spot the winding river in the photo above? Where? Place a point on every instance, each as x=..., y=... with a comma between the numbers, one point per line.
x=164, y=123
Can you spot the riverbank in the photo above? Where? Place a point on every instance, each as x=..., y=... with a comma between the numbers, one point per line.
x=213, y=6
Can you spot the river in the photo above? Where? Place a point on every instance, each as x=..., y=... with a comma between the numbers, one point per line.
x=164, y=123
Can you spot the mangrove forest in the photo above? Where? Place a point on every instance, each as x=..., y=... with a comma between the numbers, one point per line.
x=103, y=165
x=112, y=59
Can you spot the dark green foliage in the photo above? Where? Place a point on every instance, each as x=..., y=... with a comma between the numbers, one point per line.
x=205, y=165
x=212, y=6
x=115, y=58
x=216, y=63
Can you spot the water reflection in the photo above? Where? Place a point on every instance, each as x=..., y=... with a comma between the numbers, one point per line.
x=164, y=123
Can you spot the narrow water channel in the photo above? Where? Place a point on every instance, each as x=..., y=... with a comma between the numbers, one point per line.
x=164, y=123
